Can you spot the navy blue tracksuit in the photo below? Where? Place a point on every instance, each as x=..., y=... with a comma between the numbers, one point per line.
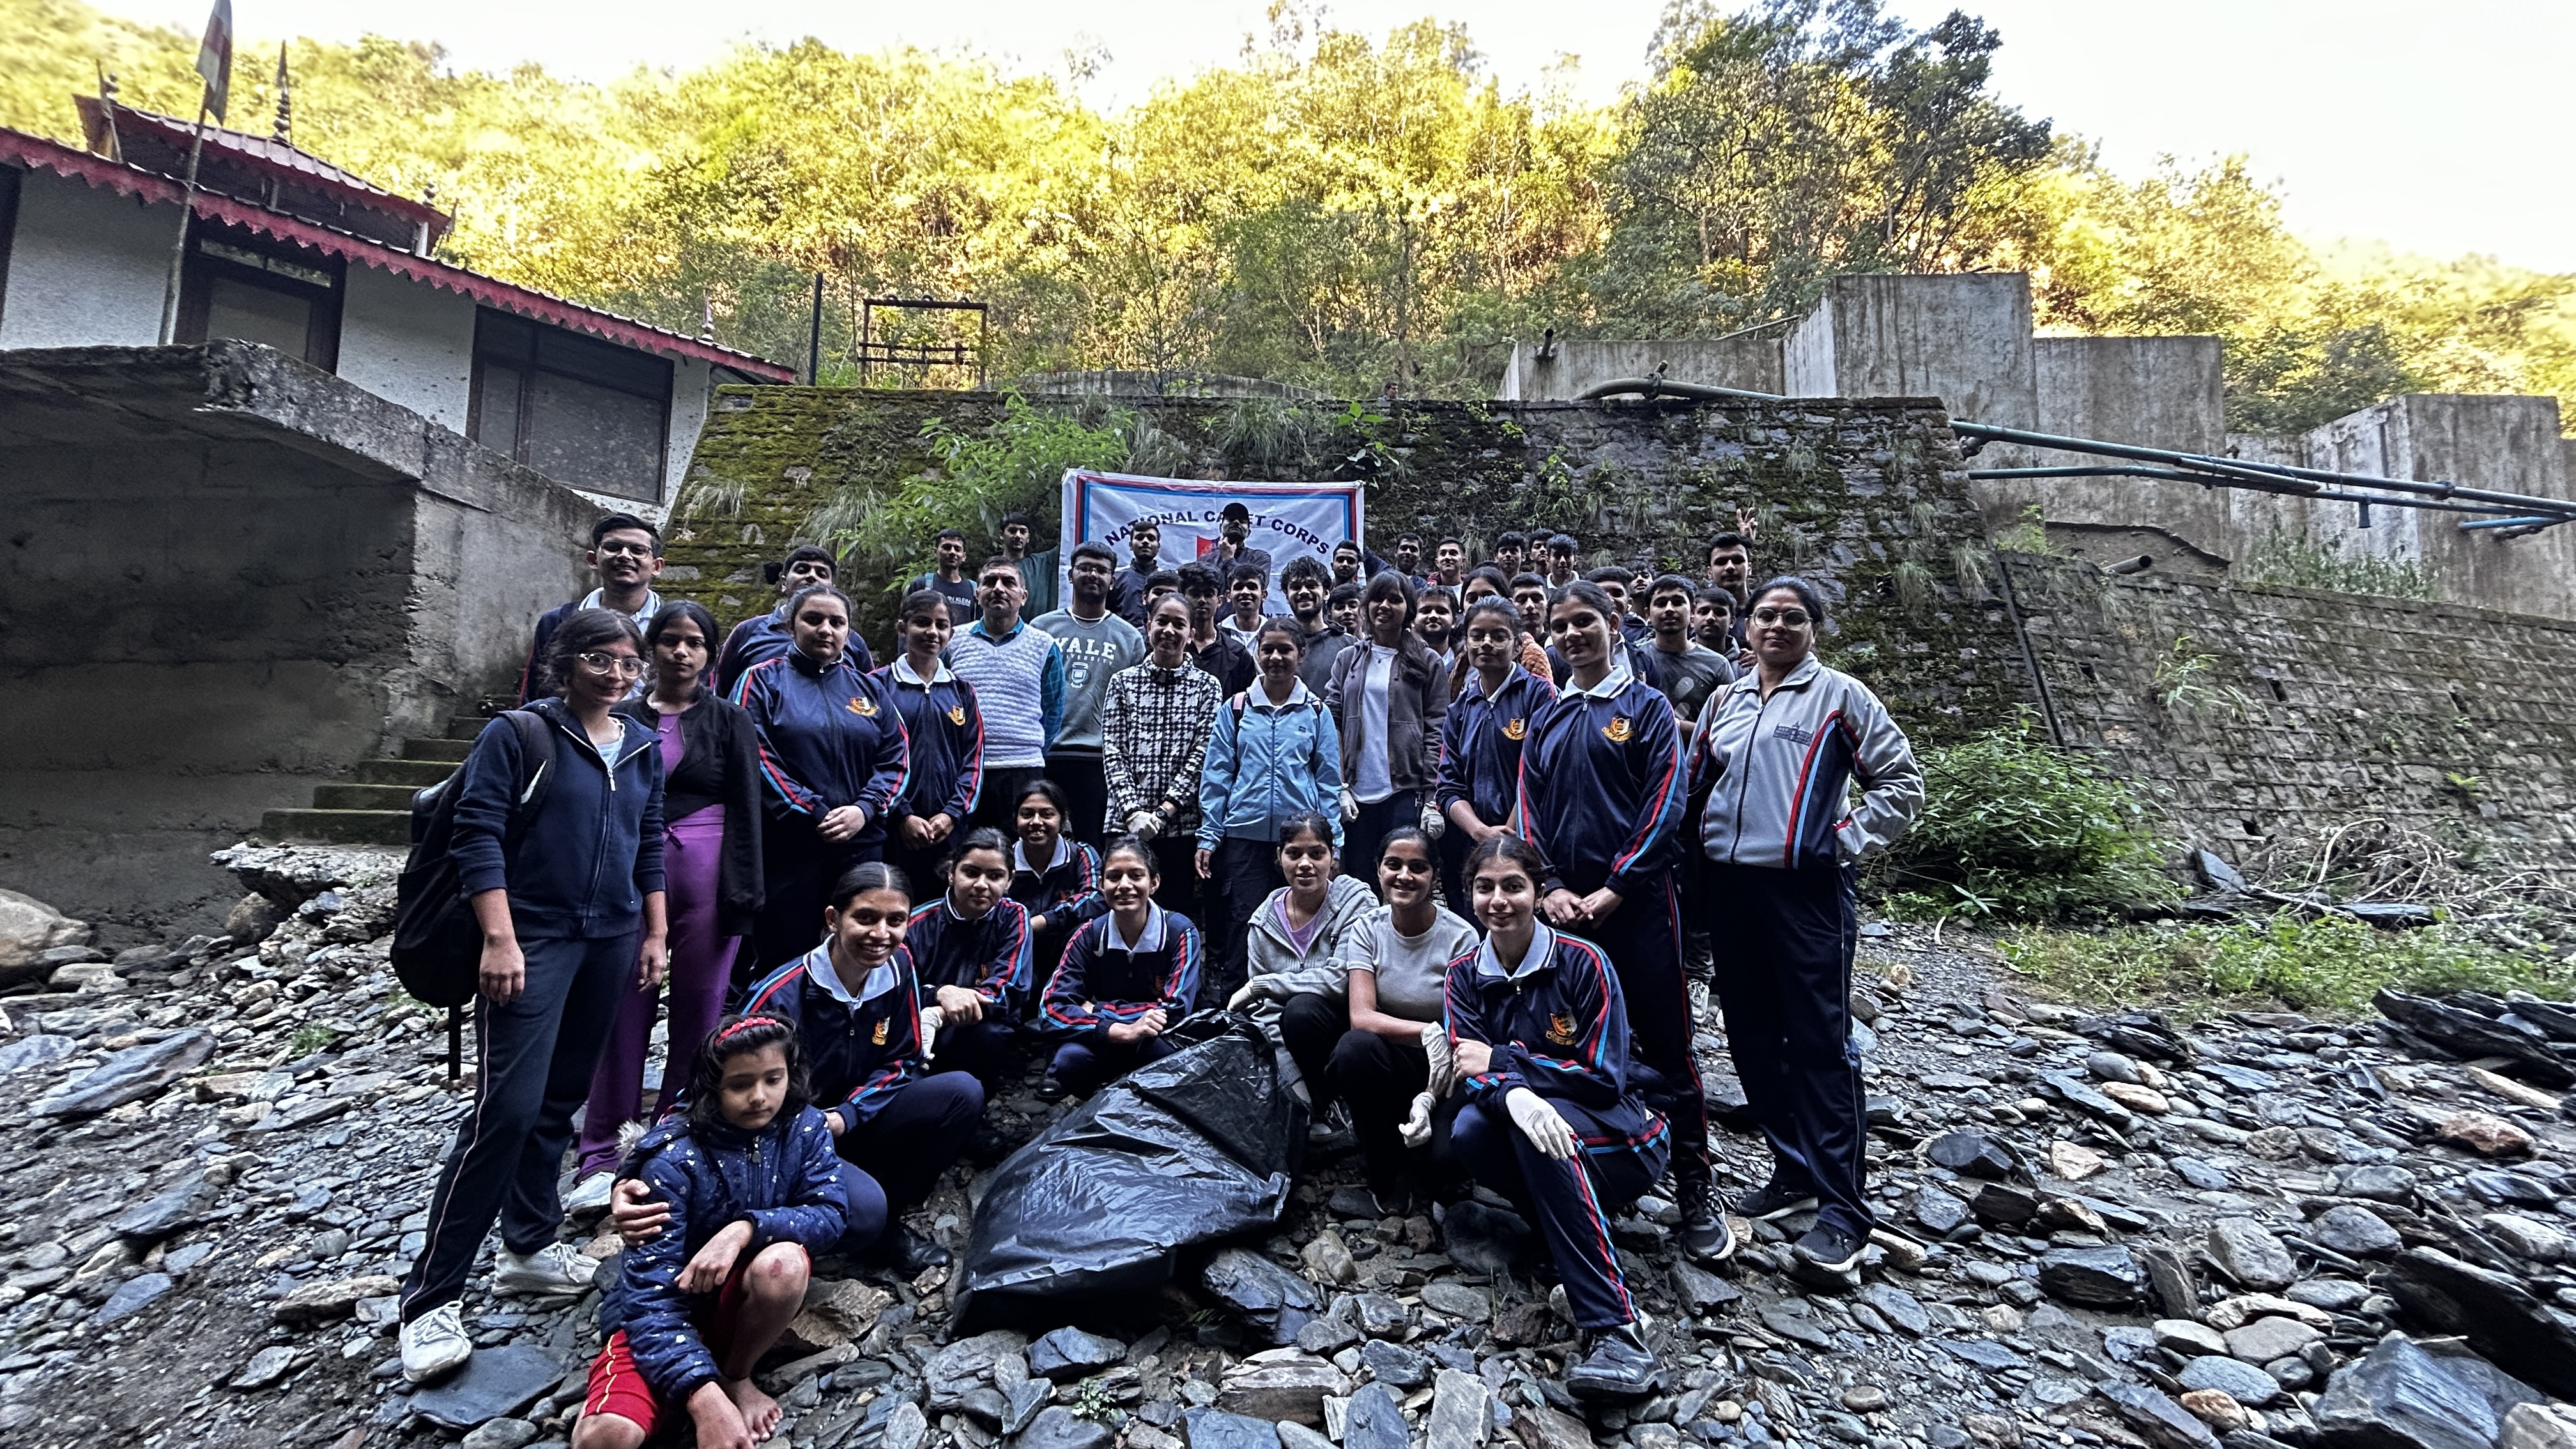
x=1558, y=1026
x=829, y=737
x=988, y=956
x=1480, y=763
x=1105, y=980
x=943, y=727
x=1603, y=795
x=862, y=1044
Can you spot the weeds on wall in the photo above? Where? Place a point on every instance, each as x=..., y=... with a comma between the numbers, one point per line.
x=2336, y=567
x=2186, y=681
x=2014, y=830
x=2324, y=964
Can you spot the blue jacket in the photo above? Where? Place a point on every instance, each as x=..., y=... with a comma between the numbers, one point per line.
x=1105, y=979
x=1558, y=1026
x=989, y=957
x=945, y=729
x=784, y=1180
x=857, y=1052
x=1266, y=762
x=1480, y=743
x=582, y=867
x=828, y=738
x=1602, y=790
x=764, y=637
x=1066, y=886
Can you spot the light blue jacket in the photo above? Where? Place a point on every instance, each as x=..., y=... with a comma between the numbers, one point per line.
x=1266, y=762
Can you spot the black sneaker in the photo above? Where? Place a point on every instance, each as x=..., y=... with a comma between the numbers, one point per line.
x=1771, y=1201
x=1620, y=1366
x=1049, y=1089
x=1706, y=1234
x=1829, y=1248
x=906, y=1252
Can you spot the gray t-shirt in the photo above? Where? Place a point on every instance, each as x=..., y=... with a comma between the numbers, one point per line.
x=1092, y=652
x=1412, y=971
x=1691, y=676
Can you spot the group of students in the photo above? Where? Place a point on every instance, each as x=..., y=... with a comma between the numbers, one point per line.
x=1446, y=871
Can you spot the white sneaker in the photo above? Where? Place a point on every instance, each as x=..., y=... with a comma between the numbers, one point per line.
x=589, y=1197
x=555, y=1270
x=434, y=1344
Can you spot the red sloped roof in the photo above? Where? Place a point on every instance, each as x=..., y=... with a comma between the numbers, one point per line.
x=22, y=149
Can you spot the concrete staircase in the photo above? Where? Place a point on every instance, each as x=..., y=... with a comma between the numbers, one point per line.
x=373, y=806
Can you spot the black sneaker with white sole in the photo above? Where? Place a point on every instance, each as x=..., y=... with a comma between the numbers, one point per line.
x=1832, y=1249
x=1771, y=1201
x=1706, y=1234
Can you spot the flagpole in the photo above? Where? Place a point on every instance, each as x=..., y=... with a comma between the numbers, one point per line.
x=187, y=210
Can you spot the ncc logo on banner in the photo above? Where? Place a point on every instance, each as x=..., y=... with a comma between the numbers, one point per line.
x=1289, y=520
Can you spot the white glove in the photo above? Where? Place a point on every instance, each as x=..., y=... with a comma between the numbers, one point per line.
x=1244, y=995
x=1350, y=806
x=1416, y=1128
x=932, y=1019
x=1434, y=824
x=1539, y=1122
x=1142, y=824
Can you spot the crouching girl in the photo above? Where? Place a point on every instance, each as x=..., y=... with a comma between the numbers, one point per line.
x=751, y=1186
x=1127, y=977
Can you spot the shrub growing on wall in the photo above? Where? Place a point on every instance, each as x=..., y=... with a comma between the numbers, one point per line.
x=2013, y=829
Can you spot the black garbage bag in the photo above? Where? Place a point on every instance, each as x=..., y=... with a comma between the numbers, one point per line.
x=1090, y=1216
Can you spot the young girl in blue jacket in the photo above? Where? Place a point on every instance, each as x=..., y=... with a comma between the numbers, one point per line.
x=971, y=950
x=1602, y=796
x=1275, y=754
x=1127, y=977
x=751, y=1189
x=833, y=760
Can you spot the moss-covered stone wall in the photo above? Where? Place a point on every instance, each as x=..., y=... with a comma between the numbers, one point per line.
x=1867, y=497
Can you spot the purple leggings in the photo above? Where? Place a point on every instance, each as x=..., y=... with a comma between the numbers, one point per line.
x=701, y=968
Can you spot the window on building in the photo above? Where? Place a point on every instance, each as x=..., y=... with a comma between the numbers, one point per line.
x=237, y=284
x=581, y=411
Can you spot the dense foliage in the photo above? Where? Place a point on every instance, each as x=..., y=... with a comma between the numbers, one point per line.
x=2327, y=964
x=1336, y=210
x=2014, y=830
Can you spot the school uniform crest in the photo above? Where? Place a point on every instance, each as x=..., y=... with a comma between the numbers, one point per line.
x=1515, y=729
x=862, y=706
x=957, y=714
x=1560, y=1028
x=879, y=1038
x=1618, y=729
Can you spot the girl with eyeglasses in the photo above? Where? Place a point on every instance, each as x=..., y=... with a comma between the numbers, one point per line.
x=1779, y=751
x=833, y=760
x=571, y=906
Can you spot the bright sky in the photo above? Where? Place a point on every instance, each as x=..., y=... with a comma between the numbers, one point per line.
x=2429, y=128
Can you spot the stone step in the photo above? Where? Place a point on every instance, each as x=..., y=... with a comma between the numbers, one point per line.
x=339, y=827
x=410, y=774
x=363, y=797
x=452, y=751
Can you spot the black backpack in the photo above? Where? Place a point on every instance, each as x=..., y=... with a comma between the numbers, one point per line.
x=438, y=947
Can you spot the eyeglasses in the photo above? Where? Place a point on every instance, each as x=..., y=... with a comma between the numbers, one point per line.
x=625, y=664
x=1794, y=618
x=615, y=550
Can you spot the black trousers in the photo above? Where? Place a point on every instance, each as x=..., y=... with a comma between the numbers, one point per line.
x=987, y=1050
x=1377, y=1077
x=533, y=1059
x=798, y=870
x=1361, y=837
x=1077, y=772
x=891, y=1161
x=1244, y=873
x=1310, y=1025
x=999, y=803
x=1176, y=860
x=1784, y=951
x=1644, y=941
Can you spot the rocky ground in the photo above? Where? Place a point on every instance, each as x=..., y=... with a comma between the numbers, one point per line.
x=215, y=1159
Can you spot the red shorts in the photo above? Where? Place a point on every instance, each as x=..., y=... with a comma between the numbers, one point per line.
x=617, y=1388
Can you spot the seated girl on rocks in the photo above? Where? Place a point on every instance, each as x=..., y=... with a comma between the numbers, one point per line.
x=1126, y=978
x=751, y=1186
x=971, y=950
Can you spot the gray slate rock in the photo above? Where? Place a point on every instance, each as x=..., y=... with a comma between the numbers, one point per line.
x=1376, y=1421
x=1487, y=1241
x=2399, y=1395
x=1972, y=1154
x=1701, y=1291
x=1269, y=1297
x=495, y=1383
x=148, y=1222
x=2355, y=1232
x=2206, y=1176
x=1457, y=1300
x=1395, y=1365
x=132, y=1075
x=1216, y=1429
x=1985, y=1353
x=2242, y=1382
x=959, y=1367
x=2266, y=1339
x=2157, y=1418
x=2106, y=1277
x=266, y=1367
x=130, y=1298
x=2378, y=1181
x=1461, y=1412
x=2497, y=1316
x=1938, y=1211
x=1057, y=1428
x=2247, y=1252
x=1024, y=1399
x=1898, y=1307
x=1070, y=1353
x=43, y=1049
x=2334, y=1295
x=505, y=1434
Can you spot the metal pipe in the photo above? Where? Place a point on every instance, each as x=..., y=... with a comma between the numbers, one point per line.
x=2138, y=565
x=2168, y=475
x=2513, y=522
x=1654, y=387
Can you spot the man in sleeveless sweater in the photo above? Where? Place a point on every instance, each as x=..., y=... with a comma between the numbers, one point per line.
x=1018, y=673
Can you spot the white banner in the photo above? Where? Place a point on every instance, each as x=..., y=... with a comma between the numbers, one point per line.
x=1289, y=520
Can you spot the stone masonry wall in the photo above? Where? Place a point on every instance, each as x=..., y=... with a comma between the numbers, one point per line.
x=2255, y=713
x=1868, y=497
